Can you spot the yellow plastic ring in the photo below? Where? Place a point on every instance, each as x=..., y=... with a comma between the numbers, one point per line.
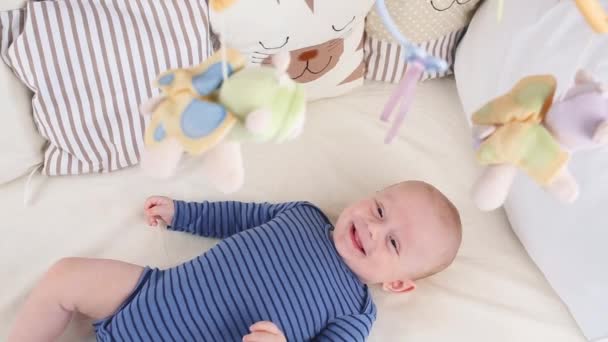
x=220, y=5
x=595, y=15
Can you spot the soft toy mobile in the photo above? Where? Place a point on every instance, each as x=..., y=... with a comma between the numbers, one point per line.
x=200, y=112
x=524, y=129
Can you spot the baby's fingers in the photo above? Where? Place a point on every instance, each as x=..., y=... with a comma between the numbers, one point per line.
x=265, y=326
x=263, y=337
x=264, y=332
x=158, y=211
x=150, y=202
x=155, y=201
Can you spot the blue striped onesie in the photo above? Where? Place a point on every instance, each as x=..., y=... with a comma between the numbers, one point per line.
x=276, y=262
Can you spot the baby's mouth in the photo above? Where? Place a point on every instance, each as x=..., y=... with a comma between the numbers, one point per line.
x=355, y=239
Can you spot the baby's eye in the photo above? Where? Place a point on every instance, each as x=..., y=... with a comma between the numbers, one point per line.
x=380, y=211
x=394, y=243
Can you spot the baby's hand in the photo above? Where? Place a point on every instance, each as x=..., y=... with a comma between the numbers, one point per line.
x=265, y=332
x=159, y=208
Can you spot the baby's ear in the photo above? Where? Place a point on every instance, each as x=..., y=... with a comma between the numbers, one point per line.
x=399, y=286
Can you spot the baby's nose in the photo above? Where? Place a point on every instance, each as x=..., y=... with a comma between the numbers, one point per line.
x=374, y=231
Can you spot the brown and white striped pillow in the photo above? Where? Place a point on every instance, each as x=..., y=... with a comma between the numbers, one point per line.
x=90, y=63
x=20, y=143
x=437, y=26
x=11, y=26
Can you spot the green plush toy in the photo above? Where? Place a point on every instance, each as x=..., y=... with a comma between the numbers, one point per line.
x=273, y=111
x=212, y=108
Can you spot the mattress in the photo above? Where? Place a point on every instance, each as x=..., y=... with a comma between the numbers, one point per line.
x=493, y=291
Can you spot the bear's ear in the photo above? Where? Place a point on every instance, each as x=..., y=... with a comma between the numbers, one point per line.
x=311, y=4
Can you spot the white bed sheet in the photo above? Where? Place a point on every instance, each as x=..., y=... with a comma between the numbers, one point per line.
x=492, y=292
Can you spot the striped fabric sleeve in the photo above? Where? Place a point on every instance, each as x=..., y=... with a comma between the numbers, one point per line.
x=352, y=328
x=223, y=219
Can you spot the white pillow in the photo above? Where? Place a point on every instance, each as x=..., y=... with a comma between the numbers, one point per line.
x=568, y=242
x=20, y=143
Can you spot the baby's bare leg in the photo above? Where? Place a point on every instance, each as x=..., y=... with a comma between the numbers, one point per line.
x=93, y=287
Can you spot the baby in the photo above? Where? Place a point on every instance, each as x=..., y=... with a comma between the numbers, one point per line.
x=282, y=272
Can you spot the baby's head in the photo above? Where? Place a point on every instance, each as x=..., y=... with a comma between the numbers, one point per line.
x=403, y=233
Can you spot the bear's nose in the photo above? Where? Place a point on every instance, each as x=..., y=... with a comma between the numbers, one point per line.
x=308, y=55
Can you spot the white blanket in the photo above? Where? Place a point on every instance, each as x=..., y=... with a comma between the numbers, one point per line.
x=493, y=292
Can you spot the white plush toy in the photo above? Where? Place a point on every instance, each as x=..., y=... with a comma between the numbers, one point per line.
x=324, y=38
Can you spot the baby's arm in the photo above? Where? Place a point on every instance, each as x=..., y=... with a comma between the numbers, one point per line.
x=223, y=219
x=93, y=287
x=347, y=328
x=219, y=219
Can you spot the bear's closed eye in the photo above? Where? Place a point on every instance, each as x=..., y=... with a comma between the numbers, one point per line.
x=440, y=8
x=344, y=27
x=275, y=47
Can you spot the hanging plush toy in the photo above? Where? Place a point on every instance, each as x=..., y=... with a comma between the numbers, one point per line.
x=524, y=129
x=211, y=108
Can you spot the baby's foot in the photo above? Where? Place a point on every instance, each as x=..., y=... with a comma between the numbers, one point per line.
x=564, y=187
x=601, y=134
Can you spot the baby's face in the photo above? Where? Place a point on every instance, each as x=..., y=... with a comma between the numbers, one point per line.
x=392, y=236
